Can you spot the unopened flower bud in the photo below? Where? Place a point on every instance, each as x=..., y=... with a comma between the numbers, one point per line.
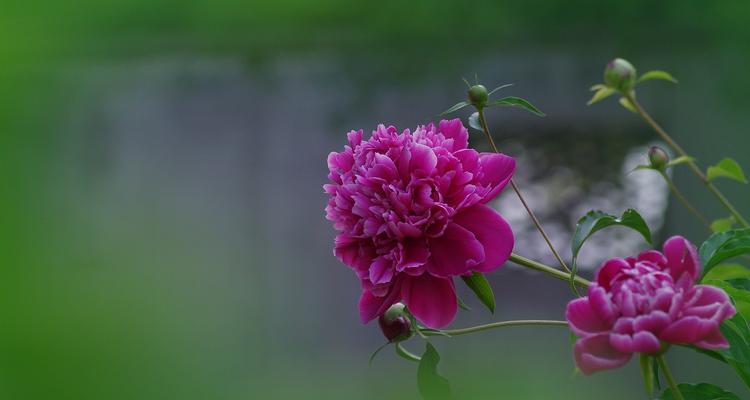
x=395, y=323
x=478, y=95
x=620, y=75
x=657, y=157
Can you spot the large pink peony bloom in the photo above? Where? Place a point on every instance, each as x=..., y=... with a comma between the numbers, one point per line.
x=636, y=304
x=410, y=208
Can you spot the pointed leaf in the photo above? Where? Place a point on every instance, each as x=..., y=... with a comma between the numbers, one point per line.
x=722, y=224
x=726, y=168
x=700, y=391
x=601, y=94
x=724, y=245
x=512, y=101
x=474, y=121
x=679, y=160
x=595, y=221
x=499, y=88
x=481, y=287
x=431, y=384
x=456, y=107
x=626, y=103
x=724, y=272
x=663, y=75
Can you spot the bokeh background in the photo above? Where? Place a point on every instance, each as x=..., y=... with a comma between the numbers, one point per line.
x=163, y=233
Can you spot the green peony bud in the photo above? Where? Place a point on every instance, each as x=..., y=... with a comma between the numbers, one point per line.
x=395, y=323
x=478, y=95
x=620, y=75
x=657, y=157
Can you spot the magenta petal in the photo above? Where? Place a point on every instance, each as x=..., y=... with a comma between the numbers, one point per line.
x=714, y=340
x=371, y=306
x=454, y=129
x=456, y=252
x=609, y=270
x=381, y=270
x=423, y=159
x=653, y=256
x=595, y=353
x=682, y=257
x=497, y=170
x=601, y=303
x=582, y=318
x=432, y=300
x=415, y=254
x=492, y=231
x=688, y=330
x=346, y=248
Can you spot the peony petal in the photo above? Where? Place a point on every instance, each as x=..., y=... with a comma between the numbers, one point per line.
x=688, y=330
x=682, y=257
x=371, y=306
x=454, y=129
x=346, y=248
x=423, y=159
x=714, y=340
x=415, y=254
x=456, y=252
x=595, y=353
x=381, y=270
x=497, y=170
x=583, y=320
x=654, y=257
x=609, y=270
x=431, y=299
x=492, y=231
x=601, y=303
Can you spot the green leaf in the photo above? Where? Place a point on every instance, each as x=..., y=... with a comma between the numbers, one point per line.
x=499, y=88
x=479, y=285
x=726, y=168
x=700, y=391
x=723, y=245
x=722, y=224
x=663, y=75
x=456, y=107
x=723, y=272
x=595, y=221
x=628, y=106
x=512, y=101
x=406, y=354
x=647, y=370
x=679, y=160
x=601, y=93
x=474, y=121
x=431, y=384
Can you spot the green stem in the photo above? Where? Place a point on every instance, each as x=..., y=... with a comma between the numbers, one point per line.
x=693, y=166
x=676, y=394
x=684, y=200
x=534, y=219
x=554, y=272
x=501, y=324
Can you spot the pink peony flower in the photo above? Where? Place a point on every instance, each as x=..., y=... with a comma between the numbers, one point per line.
x=411, y=214
x=637, y=304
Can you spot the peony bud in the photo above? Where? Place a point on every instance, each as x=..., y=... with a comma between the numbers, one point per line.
x=620, y=75
x=657, y=157
x=478, y=95
x=395, y=323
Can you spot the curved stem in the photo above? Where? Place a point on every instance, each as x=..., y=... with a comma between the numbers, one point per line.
x=501, y=324
x=676, y=394
x=693, y=166
x=486, y=130
x=684, y=200
x=554, y=272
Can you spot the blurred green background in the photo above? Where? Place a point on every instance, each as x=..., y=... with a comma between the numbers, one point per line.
x=162, y=161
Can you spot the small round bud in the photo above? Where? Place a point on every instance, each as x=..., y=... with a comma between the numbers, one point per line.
x=395, y=323
x=657, y=157
x=620, y=75
x=478, y=95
